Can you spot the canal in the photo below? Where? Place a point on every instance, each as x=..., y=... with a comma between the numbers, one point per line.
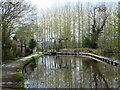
x=71, y=72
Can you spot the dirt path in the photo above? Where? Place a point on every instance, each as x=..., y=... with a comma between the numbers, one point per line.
x=8, y=74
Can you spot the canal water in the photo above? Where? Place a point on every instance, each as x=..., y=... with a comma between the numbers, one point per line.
x=71, y=72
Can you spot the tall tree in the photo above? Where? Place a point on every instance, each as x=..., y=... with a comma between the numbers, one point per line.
x=119, y=28
x=79, y=25
x=13, y=15
x=97, y=26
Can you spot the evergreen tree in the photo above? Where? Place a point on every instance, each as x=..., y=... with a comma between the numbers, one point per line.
x=32, y=44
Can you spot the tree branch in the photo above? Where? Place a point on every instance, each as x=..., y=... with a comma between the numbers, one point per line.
x=101, y=28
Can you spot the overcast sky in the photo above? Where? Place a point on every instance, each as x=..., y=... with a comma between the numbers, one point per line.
x=42, y=4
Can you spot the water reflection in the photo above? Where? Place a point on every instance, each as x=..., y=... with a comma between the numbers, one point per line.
x=72, y=72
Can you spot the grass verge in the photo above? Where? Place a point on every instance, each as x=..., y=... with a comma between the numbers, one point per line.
x=19, y=74
x=85, y=50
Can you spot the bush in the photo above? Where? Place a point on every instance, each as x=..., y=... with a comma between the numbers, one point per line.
x=8, y=54
x=20, y=80
x=28, y=51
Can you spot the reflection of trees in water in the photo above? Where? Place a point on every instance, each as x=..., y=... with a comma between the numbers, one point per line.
x=97, y=75
x=63, y=66
x=119, y=77
x=65, y=63
x=69, y=71
x=60, y=62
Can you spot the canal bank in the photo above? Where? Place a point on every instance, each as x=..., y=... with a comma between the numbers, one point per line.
x=12, y=77
x=93, y=56
x=80, y=54
x=96, y=54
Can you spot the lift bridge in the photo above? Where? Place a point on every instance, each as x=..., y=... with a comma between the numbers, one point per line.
x=60, y=42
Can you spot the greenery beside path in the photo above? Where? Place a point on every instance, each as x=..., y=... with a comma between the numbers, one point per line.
x=19, y=74
x=13, y=59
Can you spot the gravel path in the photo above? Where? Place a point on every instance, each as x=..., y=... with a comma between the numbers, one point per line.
x=8, y=74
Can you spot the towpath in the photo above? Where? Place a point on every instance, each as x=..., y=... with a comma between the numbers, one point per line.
x=8, y=74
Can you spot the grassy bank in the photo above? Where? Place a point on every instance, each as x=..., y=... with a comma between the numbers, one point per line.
x=94, y=51
x=19, y=74
x=85, y=50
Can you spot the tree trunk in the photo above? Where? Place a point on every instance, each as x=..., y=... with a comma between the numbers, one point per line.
x=94, y=38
